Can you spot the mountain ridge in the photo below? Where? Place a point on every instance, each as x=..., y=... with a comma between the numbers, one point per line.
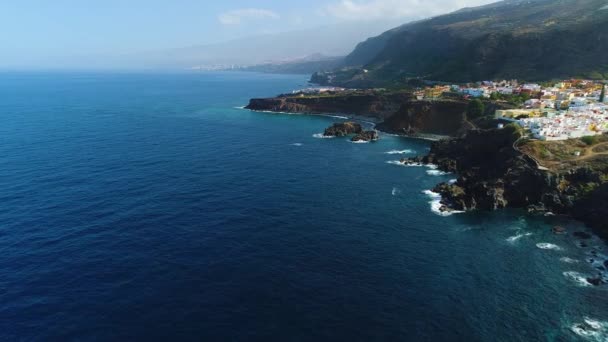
x=534, y=40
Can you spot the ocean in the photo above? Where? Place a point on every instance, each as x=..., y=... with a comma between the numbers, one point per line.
x=152, y=207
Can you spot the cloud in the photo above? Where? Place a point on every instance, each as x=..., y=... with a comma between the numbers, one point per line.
x=236, y=17
x=384, y=9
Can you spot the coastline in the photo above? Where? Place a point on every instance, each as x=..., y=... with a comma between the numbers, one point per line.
x=372, y=121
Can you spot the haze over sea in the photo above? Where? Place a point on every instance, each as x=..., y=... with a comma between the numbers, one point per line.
x=140, y=206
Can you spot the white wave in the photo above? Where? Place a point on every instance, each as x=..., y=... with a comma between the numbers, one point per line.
x=241, y=107
x=517, y=237
x=453, y=181
x=431, y=194
x=434, y=172
x=569, y=260
x=400, y=152
x=591, y=329
x=548, y=246
x=395, y=192
x=322, y=136
x=297, y=144
x=436, y=204
x=400, y=163
x=359, y=142
x=579, y=278
x=338, y=117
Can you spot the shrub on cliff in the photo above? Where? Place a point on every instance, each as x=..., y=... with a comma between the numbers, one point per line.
x=476, y=109
x=591, y=140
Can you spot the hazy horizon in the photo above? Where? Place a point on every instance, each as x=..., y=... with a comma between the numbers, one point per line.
x=67, y=34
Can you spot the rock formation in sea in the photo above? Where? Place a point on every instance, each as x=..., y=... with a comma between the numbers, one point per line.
x=343, y=129
x=366, y=136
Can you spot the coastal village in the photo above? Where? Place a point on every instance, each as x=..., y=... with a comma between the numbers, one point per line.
x=566, y=110
x=569, y=109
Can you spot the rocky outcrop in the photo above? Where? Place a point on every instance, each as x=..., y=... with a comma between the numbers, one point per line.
x=495, y=175
x=366, y=136
x=343, y=129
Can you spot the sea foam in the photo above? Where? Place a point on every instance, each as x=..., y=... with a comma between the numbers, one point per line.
x=517, y=237
x=434, y=172
x=436, y=204
x=579, y=278
x=393, y=152
x=569, y=260
x=548, y=246
x=400, y=163
x=322, y=136
x=591, y=329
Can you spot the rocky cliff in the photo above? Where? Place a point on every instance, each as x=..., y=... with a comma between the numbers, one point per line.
x=494, y=174
x=428, y=117
x=374, y=105
x=398, y=113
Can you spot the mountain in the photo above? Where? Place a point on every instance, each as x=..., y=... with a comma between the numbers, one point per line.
x=304, y=66
x=525, y=39
x=331, y=40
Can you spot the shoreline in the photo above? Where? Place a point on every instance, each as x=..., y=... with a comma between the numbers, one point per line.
x=441, y=205
x=360, y=118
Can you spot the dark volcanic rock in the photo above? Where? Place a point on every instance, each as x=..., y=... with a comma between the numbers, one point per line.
x=366, y=136
x=343, y=129
x=595, y=281
x=369, y=103
x=582, y=235
x=558, y=230
x=434, y=117
x=493, y=175
x=398, y=112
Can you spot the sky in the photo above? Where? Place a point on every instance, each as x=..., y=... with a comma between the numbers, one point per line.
x=35, y=30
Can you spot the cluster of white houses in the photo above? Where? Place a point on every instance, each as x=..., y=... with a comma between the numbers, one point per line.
x=564, y=111
x=317, y=90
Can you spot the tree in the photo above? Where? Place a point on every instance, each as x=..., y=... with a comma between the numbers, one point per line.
x=603, y=94
x=475, y=109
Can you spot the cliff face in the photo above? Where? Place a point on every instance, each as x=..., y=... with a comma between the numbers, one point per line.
x=397, y=113
x=372, y=105
x=495, y=175
x=436, y=117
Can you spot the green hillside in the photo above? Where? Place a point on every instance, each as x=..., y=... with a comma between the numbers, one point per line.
x=533, y=40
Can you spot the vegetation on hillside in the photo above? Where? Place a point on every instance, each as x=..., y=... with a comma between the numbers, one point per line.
x=529, y=40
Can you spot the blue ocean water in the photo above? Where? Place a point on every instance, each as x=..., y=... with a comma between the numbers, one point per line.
x=149, y=207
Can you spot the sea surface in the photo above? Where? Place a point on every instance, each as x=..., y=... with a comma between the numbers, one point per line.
x=151, y=207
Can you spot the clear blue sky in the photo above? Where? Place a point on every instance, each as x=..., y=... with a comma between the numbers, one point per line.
x=53, y=28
